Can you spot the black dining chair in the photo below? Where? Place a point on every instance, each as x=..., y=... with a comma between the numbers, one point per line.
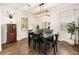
x=51, y=42
x=48, y=42
x=30, y=38
x=55, y=43
x=37, y=41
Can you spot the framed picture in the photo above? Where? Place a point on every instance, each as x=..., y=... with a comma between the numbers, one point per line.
x=63, y=26
x=45, y=24
x=24, y=22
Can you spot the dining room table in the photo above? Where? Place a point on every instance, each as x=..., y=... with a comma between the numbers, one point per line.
x=44, y=37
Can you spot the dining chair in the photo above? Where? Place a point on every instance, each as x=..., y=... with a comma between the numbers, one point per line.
x=37, y=40
x=30, y=38
x=48, y=42
x=55, y=43
x=51, y=42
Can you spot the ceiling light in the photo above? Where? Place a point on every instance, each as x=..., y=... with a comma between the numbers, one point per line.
x=43, y=11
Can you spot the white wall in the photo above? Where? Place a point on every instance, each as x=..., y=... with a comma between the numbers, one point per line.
x=16, y=20
x=67, y=15
x=65, y=18
x=77, y=25
x=21, y=33
x=53, y=19
x=57, y=16
x=0, y=29
x=62, y=15
x=32, y=22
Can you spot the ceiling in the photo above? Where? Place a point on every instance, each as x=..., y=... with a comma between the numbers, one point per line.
x=32, y=7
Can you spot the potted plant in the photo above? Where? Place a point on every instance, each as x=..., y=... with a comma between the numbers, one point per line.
x=71, y=28
x=40, y=30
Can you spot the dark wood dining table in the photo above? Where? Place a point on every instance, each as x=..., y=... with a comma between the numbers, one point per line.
x=44, y=34
x=44, y=37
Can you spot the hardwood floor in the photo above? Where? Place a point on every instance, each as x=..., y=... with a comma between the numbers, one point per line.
x=21, y=48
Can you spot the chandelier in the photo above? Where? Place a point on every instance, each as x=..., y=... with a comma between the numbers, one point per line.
x=43, y=11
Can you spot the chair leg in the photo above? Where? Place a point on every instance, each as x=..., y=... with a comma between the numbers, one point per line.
x=45, y=49
x=34, y=44
x=52, y=46
x=39, y=46
x=54, y=50
x=29, y=42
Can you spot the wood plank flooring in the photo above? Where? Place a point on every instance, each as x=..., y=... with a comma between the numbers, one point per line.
x=21, y=48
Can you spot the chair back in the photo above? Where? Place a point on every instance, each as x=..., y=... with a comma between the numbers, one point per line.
x=37, y=37
x=30, y=35
x=52, y=38
x=56, y=38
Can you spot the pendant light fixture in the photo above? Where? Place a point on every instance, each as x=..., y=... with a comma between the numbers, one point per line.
x=43, y=11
